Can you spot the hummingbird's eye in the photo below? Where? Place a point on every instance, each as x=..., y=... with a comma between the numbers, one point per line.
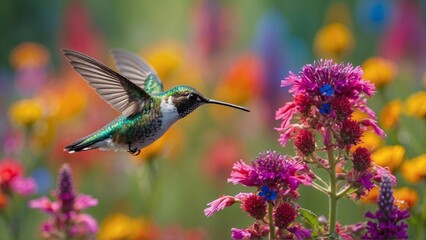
x=192, y=97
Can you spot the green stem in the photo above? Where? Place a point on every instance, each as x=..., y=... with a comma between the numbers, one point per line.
x=333, y=191
x=271, y=222
x=319, y=187
x=420, y=226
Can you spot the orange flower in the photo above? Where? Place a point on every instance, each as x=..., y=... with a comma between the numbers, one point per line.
x=379, y=71
x=123, y=227
x=389, y=116
x=372, y=196
x=415, y=169
x=29, y=55
x=405, y=197
x=333, y=41
x=389, y=156
x=242, y=81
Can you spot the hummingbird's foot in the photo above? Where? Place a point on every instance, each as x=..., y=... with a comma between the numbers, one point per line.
x=134, y=151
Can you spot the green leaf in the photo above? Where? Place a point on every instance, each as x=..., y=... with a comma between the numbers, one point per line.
x=312, y=220
x=310, y=217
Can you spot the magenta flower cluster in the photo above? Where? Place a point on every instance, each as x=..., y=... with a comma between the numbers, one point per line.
x=319, y=120
x=276, y=178
x=66, y=220
x=325, y=95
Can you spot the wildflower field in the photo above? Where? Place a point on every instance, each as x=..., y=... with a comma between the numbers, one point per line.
x=333, y=145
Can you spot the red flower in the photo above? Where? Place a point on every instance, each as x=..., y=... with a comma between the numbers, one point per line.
x=362, y=159
x=9, y=170
x=304, y=141
x=255, y=206
x=284, y=215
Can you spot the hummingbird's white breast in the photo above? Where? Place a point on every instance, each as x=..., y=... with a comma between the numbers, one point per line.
x=169, y=113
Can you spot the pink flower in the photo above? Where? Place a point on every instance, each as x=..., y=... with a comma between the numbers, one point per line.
x=219, y=204
x=84, y=225
x=241, y=174
x=24, y=186
x=372, y=123
x=45, y=205
x=379, y=172
x=84, y=201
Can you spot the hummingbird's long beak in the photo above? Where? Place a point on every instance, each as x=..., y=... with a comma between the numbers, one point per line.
x=227, y=104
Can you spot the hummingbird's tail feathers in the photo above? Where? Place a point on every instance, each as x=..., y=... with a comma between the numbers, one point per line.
x=80, y=145
x=92, y=141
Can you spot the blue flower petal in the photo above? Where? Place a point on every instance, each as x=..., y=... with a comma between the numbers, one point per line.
x=327, y=90
x=325, y=108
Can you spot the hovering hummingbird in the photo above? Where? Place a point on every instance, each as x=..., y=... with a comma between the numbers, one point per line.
x=147, y=111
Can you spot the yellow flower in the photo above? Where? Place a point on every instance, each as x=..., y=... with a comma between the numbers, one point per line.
x=44, y=132
x=25, y=112
x=415, y=169
x=379, y=71
x=405, y=197
x=333, y=41
x=369, y=139
x=389, y=116
x=165, y=57
x=28, y=55
x=415, y=105
x=123, y=227
x=389, y=156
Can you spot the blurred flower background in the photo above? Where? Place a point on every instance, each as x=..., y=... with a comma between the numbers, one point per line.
x=235, y=51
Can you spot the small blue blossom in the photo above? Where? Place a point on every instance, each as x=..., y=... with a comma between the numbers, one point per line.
x=268, y=194
x=327, y=90
x=325, y=108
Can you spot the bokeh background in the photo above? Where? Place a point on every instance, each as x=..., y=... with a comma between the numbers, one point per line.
x=236, y=51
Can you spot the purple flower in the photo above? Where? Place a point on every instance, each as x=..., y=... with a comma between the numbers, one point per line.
x=300, y=232
x=240, y=233
x=65, y=217
x=388, y=222
x=65, y=191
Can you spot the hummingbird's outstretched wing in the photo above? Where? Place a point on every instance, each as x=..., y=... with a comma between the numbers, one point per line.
x=137, y=70
x=121, y=93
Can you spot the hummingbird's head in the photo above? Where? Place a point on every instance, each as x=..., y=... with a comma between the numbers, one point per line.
x=186, y=99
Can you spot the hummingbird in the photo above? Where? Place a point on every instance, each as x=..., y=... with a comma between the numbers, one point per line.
x=136, y=91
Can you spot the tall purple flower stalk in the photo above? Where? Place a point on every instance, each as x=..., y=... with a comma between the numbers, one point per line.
x=387, y=222
x=66, y=220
